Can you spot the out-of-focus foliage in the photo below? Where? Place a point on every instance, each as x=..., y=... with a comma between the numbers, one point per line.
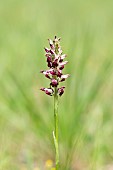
x=85, y=110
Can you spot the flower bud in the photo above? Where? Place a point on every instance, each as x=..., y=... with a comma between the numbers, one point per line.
x=51, y=43
x=47, y=50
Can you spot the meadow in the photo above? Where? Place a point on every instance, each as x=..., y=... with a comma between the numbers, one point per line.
x=86, y=108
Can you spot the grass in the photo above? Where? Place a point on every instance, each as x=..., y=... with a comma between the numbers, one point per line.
x=85, y=111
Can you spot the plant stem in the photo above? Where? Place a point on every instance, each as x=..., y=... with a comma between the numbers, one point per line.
x=56, y=128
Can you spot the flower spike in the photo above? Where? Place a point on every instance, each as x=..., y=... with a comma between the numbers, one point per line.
x=55, y=61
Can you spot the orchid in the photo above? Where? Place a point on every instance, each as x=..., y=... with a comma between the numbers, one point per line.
x=55, y=62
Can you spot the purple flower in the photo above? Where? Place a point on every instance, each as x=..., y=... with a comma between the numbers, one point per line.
x=61, y=90
x=54, y=83
x=48, y=91
x=46, y=73
x=55, y=61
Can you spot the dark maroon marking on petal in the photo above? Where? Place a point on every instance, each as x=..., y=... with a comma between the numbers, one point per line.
x=41, y=71
x=49, y=59
x=49, y=64
x=55, y=63
x=43, y=89
x=46, y=75
x=59, y=73
x=51, y=51
x=47, y=50
x=63, y=79
x=60, y=60
x=61, y=67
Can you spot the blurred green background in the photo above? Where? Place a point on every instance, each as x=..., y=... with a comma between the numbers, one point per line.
x=86, y=108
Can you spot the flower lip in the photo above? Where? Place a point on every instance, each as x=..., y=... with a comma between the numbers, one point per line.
x=54, y=83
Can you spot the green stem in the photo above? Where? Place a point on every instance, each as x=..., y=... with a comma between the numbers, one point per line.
x=55, y=135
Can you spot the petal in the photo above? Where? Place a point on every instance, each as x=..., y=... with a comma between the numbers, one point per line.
x=60, y=50
x=63, y=63
x=62, y=57
x=65, y=76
